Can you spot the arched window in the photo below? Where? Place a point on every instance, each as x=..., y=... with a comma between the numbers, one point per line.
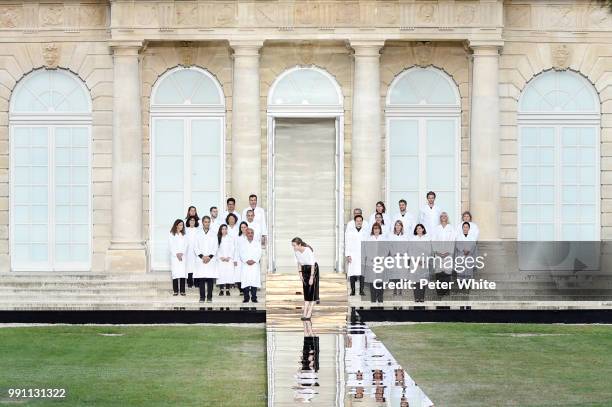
x=305, y=86
x=423, y=121
x=559, y=124
x=187, y=129
x=50, y=119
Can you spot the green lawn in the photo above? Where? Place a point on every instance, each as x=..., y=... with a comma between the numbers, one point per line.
x=506, y=364
x=147, y=366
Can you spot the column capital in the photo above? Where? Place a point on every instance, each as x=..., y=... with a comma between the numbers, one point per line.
x=246, y=47
x=125, y=48
x=367, y=48
x=485, y=48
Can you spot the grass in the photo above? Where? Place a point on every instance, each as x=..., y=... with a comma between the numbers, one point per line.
x=146, y=366
x=525, y=365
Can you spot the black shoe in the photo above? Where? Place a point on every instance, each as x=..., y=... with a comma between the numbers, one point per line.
x=202, y=300
x=254, y=300
x=183, y=294
x=175, y=294
x=209, y=300
x=221, y=293
x=245, y=301
x=361, y=293
x=227, y=293
x=352, y=292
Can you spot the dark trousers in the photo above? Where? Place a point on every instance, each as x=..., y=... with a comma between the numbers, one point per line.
x=353, y=280
x=250, y=290
x=444, y=278
x=175, y=284
x=206, y=286
x=419, y=294
x=376, y=294
x=190, y=280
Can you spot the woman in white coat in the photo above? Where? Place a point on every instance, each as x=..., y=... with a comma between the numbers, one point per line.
x=382, y=209
x=191, y=232
x=420, y=248
x=177, y=244
x=226, y=263
x=352, y=251
x=231, y=220
x=443, y=246
x=474, y=230
x=398, y=245
x=206, y=267
x=465, y=251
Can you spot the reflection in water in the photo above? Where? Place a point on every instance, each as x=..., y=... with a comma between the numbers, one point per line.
x=341, y=368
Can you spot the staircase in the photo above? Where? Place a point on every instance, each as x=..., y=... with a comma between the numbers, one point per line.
x=284, y=302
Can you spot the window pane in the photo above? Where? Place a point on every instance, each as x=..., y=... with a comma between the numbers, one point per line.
x=404, y=173
x=441, y=137
x=403, y=137
x=205, y=173
x=169, y=137
x=422, y=86
x=49, y=91
x=440, y=173
x=305, y=87
x=206, y=136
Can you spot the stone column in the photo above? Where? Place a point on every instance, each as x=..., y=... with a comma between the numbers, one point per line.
x=246, y=123
x=366, y=145
x=484, y=140
x=126, y=252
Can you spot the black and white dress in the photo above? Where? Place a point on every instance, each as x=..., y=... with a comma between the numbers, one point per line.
x=308, y=265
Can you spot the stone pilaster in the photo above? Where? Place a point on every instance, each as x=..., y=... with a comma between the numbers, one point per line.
x=485, y=139
x=126, y=252
x=366, y=155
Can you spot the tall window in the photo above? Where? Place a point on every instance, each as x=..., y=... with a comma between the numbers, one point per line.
x=50, y=118
x=187, y=127
x=559, y=124
x=423, y=121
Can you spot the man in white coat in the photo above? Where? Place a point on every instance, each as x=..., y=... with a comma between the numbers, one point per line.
x=260, y=217
x=352, y=250
x=443, y=245
x=231, y=208
x=351, y=224
x=206, y=269
x=406, y=217
x=215, y=221
x=249, y=251
x=429, y=214
x=250, y=220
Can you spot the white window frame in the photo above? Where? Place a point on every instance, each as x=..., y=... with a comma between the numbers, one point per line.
x=423, y=113
x=186, y=113
x=50, y=121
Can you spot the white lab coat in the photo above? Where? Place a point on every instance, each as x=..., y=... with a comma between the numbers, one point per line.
x=206, y=245
x=385, y=216
x=430, y=217
x=177, y=244
x=226, y=269
x=233, y=231
x=257, y=233
x=215, y=225
x=408, y=221
x=260, y=218
x=190, y=257
x=250, y=276
x=420, y=247
x=474, y=232
x=444, y=242
x=464, y=243
x=350, y=226
x=397, y=245
x=224, y=214
x=352, y=247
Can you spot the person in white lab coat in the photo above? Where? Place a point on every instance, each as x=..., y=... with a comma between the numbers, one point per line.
x=406, y=217
x=191, y=232
x=206, y=250
x=177, y=244
x=249, y=251
x=242, y=229
x=351, y=224
x=465, y=249
x=474, y=230
x=443, y=246
x=382, y=209
x=226, y=263
x=215, y=220
x=429, y=214
x=233, y=226
x=309, y=274
x=231, y=208
x=191, y=211
x=397, y=245
x=374, y=248
x=250, y=220
x=420, y=248
x=384, y=226
x=352, y=250
x=259, y=217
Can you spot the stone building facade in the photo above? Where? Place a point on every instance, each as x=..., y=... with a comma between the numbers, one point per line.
x=483, y=53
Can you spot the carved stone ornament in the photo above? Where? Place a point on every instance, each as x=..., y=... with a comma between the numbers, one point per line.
x=186, y=53
x=10, y=17
x=423, y=53
x=306, y=53
x=560, y=56
x=51, y=53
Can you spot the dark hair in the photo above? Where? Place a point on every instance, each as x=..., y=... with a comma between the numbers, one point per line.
x=230, y=200
x=252, y=196
x=358, y=216
x=211, y=208
x=240, y=227
x=430, y=193
x=403, y=201
x=300, y=242
x=375, y=225
x=219, y=235
x=383, y=205
x=249, y=210
x=466, y=213
x=196, y=212
x=382, y=218
x=197, y=221
x=174, y=230
x=205, y=217
x=421, y=225
x=466, y=223
x=231, y=215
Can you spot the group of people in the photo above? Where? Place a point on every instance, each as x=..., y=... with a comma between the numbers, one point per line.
x=430, y=232
x=218, y=249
